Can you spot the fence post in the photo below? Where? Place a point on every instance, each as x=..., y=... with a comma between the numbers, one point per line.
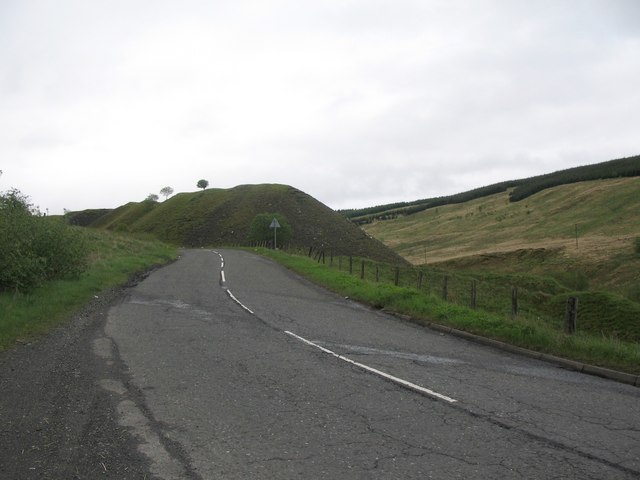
x=419, y=279
x=362, y=270
x=571, y=315
x=340, y=263
x=350, y=265
x=445, y=287
x=396, y=280
x=474, y=294
x=310, y=251
x=514, y=302
x=377, y=273
x=331, y=258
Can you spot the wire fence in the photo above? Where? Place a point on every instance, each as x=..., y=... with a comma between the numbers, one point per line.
x=510, y=296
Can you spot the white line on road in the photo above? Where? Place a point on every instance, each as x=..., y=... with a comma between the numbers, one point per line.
x=239, y=302
x=224, y=281
x=380, y=373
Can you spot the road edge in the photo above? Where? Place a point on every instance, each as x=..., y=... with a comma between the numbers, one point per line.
x=621, y=377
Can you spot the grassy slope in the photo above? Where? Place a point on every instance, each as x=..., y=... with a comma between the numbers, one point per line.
x=492, y=233
x=223, y=217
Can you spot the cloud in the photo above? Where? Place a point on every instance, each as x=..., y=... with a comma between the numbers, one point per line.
x=355, y=102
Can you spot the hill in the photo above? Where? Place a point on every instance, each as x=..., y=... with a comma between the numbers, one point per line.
x=223, y=216
x=536, y=235
x=518, y=189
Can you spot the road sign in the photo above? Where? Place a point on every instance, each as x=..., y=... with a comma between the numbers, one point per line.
x=275, y=225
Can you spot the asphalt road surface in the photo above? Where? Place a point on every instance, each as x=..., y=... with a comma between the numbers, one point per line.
x=224, y=365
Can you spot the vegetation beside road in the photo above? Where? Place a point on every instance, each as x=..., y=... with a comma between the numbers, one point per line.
x=533, y=332
x=111, y=259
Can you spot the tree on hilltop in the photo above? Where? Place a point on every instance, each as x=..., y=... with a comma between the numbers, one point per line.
x=202, y=184
x=166, y=192
x=152, y=197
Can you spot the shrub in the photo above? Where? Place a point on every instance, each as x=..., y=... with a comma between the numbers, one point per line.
x=261, y=231
x=34, y=248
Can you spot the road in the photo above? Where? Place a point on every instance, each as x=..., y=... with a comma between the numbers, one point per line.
x=226, y=365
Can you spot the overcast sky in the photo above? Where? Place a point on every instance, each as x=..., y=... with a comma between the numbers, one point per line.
x=356, y=102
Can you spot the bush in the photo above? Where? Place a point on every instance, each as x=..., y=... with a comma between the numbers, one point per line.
x=261, y=231
x=34, y=248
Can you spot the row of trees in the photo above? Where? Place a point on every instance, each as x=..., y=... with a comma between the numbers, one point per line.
x=523, y=188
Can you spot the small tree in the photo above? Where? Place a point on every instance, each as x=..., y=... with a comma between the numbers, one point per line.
x=152, y=197
x=166, y=192
x=260, y=230
x=203, y=184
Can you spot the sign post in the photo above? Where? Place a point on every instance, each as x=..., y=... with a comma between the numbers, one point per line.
x=275, y=225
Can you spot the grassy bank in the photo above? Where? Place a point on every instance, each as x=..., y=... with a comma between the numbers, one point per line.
x=112, y=260
x=528, y=331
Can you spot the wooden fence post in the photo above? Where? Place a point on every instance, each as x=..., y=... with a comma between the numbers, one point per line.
x=445, y=288
x=571, y=315
x=420, y=274
x=377, y=273
x=514, y=302
x=350, y=265
x=474, y=294
x=396, y=280
x=362, y=270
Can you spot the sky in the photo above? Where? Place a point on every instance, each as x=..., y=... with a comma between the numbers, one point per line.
x=356, y=102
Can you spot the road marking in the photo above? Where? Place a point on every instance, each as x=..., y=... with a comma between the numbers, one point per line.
x=239, y=302
x=224, y=280
x=399, y=381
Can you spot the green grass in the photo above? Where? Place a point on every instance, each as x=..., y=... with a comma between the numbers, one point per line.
x=113, y=259
x=531, y=329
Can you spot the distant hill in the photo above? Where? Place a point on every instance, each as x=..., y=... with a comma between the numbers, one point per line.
x=223, y=216
x=535, y=235
x=519, y=189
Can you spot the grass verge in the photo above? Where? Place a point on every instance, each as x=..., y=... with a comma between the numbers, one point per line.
x=113, y=260
x=531, y=333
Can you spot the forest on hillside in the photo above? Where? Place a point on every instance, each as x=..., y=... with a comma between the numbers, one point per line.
x=523, y=188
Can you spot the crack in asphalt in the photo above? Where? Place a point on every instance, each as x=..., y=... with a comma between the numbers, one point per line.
x=167, y=457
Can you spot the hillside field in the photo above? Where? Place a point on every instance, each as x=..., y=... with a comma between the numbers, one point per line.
x=533, y=236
